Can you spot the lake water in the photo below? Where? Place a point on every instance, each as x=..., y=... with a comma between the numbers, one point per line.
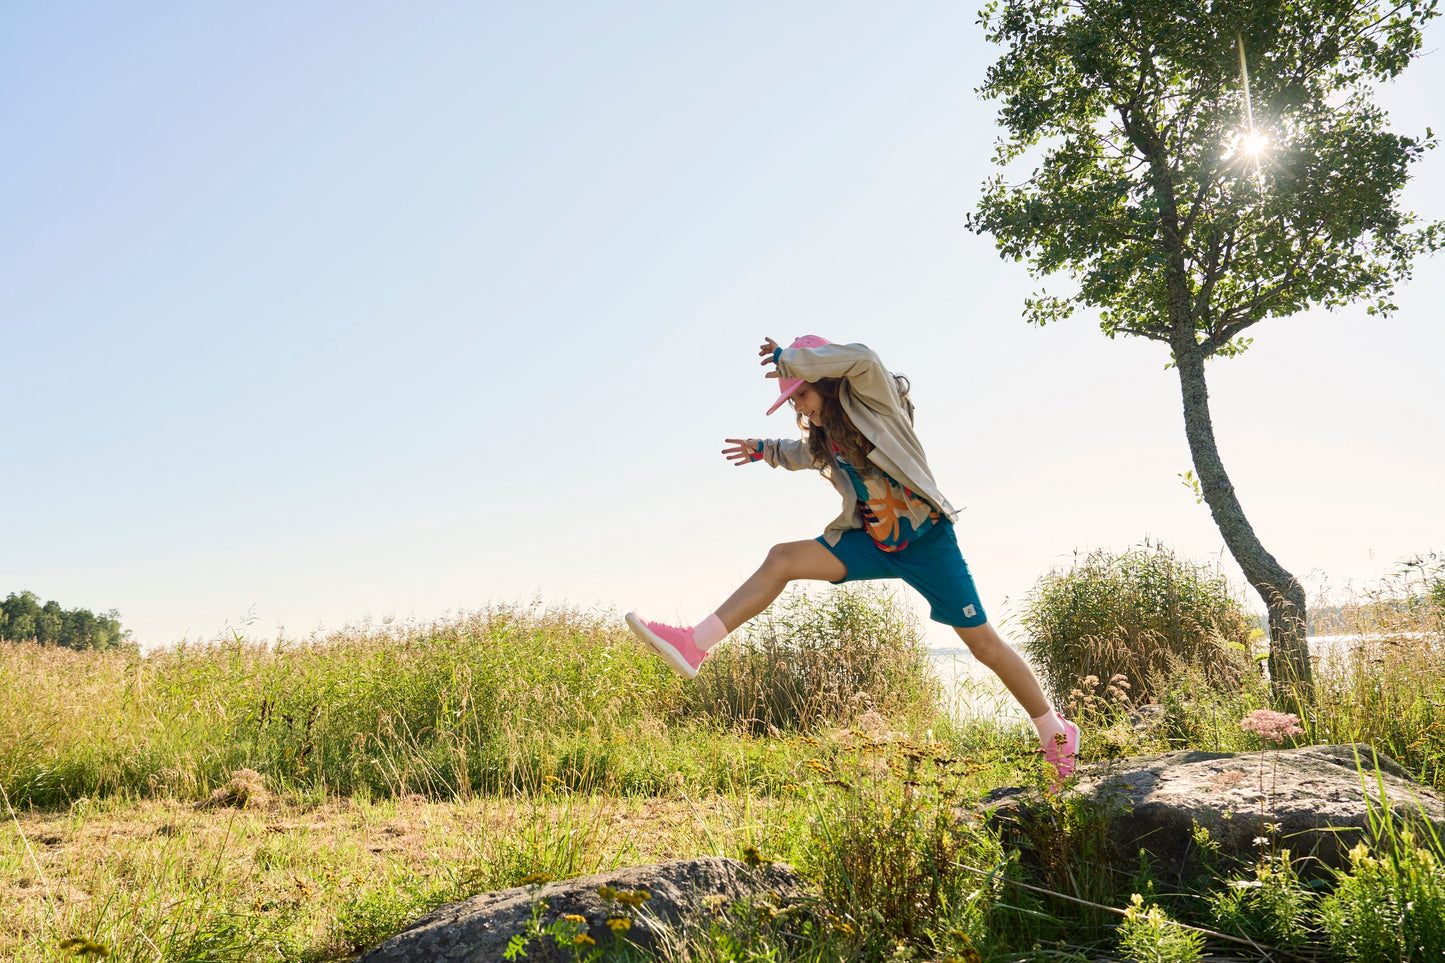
x=970, y=688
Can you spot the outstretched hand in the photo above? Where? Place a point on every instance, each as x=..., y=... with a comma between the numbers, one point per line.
x=741, y=452
x=766, y=353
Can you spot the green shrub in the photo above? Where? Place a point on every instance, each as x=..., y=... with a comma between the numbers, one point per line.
x=1149, y=935
x=888, y=849
x=1389, y=903
x=1140, y=614
x=1273, y=905
x=814, y=659
x=374, y=915
x=1389, y=907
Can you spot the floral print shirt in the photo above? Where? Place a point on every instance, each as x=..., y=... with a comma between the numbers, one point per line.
x=893, y=516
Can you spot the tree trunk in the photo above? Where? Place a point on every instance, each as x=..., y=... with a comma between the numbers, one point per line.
x=1284, y=597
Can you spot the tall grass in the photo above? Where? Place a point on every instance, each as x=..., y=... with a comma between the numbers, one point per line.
x=498, y=701
x=486, y=702
x=1139, y=614
x=816, y=659
x=1381, y=679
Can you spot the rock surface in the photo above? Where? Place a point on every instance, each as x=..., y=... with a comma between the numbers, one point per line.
x=479, y=929
x=1315, y=801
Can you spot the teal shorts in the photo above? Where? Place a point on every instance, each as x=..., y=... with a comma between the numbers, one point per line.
x=932, y=565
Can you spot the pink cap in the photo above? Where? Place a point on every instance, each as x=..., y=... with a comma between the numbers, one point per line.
x=790, y=386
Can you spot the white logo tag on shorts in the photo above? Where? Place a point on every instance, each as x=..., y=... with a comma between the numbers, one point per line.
x=969, y=611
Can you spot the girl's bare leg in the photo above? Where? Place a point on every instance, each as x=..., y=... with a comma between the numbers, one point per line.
x=785, y=563
x=989, y=648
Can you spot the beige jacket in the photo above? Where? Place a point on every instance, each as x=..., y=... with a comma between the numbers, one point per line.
x=869, y=397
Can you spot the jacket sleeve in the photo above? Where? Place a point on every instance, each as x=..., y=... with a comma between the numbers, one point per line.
x=854, y=363
x=789, y=453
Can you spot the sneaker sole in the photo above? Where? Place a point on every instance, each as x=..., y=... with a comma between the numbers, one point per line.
x=661, y=646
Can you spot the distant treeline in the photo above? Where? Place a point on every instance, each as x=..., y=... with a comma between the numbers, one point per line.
x=1377, y=613
x=23, y=618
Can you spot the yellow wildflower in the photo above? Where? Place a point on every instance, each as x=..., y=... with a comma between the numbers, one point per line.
x=753, y=858
x=620, y=924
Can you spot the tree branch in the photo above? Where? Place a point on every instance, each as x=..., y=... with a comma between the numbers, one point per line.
x=1220, y=249
x=1251, y=312
x=1206, y=183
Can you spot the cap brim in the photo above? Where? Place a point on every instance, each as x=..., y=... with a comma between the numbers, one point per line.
x=787, y=393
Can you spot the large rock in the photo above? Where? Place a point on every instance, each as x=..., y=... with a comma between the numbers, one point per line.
x=478, y=930
x=1316, y=801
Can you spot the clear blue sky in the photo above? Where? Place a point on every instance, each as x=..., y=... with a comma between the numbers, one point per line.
x=331, y=311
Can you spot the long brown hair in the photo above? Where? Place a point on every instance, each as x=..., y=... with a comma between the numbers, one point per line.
x=837, y=429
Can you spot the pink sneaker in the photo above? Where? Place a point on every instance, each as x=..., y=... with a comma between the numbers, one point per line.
x=674, y=644
x=1063, y=752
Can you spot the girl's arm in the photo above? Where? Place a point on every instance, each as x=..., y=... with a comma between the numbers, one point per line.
x=789, y=453
x=856, y=363
x=744, y=451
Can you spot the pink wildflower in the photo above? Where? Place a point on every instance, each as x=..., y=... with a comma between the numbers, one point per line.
x=1271, y=725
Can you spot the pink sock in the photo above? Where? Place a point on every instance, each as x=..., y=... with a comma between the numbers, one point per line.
x=709, y=632
x=1049, y=726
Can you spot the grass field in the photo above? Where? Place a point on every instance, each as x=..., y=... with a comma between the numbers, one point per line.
x=303, y=801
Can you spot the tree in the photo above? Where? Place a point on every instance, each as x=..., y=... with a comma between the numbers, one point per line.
x=1203, y=166
x=18, y=615
x=51, y=623
x=23, y=618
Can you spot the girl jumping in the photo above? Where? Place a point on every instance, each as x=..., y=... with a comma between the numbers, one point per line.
x=857, y=424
